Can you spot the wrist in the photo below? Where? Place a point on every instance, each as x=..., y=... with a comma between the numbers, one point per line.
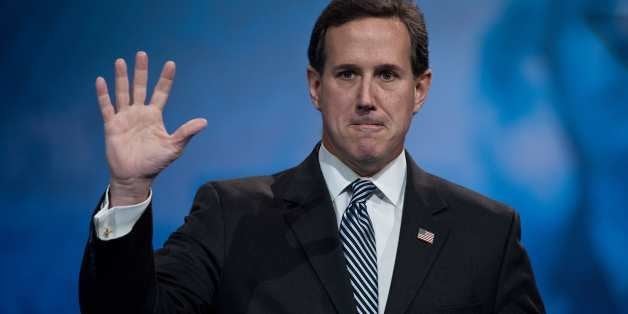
x=128, y=192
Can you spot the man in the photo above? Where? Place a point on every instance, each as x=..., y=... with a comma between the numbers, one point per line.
x=357, y=227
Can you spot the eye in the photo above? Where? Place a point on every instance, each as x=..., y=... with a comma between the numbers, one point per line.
x=387, y=75
x=346, y=75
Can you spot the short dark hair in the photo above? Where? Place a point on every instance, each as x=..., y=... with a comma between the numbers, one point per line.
x=339, y=12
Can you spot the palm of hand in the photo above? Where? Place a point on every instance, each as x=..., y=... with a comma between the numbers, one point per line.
x=137, y=143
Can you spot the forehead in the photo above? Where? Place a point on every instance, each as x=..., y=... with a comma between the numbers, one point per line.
x=368, y=41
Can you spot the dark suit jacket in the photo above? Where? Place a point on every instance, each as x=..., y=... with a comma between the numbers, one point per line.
x=270, y=245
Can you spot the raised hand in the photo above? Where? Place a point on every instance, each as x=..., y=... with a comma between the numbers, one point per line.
x=137, y=143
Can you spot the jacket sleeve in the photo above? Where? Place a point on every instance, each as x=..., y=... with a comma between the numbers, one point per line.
x=516, y=289
x=124, y=275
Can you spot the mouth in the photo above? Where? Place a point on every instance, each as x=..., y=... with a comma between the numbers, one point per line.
x=367, y=127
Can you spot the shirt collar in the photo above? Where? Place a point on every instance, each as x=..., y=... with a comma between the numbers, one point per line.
x=338, y=176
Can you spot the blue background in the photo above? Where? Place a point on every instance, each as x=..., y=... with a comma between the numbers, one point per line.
x=528, y=106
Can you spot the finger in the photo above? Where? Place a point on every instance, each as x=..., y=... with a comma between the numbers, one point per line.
x=106, y=108
x=122, y=85
x=140, y=78
x=162, y=90
x=185, y=132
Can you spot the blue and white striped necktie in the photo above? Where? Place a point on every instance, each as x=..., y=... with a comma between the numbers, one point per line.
x=358, y=242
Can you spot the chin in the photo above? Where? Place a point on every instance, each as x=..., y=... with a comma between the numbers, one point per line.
x=361, y=150
x=368, y=153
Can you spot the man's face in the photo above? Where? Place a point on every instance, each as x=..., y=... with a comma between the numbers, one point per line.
x=367, y=92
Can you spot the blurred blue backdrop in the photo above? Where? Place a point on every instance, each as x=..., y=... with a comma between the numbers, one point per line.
x=528, y=106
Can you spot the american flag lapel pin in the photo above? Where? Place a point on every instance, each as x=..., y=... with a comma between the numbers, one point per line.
x=425, y=236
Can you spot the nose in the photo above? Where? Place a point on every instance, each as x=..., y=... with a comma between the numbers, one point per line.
x=365, y=101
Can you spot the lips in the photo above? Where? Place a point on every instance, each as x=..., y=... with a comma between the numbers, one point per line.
x=367, y=127
x=366, y=121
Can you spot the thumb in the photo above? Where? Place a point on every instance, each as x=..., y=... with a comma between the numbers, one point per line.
x=185, y=132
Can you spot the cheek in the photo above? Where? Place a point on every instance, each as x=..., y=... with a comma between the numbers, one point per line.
x=405, y=119
x=399, y=109
x=336, y=105
x=333, y=117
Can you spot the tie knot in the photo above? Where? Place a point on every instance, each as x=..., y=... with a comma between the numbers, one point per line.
x=362, y=190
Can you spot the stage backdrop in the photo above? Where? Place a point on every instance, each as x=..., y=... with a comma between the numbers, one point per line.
x=528, y=105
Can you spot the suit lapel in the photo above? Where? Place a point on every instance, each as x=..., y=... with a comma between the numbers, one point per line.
x=415, y=257
x=310, y=214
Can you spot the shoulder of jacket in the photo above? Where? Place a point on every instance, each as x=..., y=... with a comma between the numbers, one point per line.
x=469, y=202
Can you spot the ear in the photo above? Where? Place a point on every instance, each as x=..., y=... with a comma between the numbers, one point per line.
x=314, y=85
x=421, y=87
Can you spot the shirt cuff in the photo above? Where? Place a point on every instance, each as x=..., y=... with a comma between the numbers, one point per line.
x=116, y=222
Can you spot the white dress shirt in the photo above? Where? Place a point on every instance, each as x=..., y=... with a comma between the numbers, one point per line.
x=384, y=208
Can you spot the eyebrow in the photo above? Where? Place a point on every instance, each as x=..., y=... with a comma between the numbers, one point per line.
x=389, y=66
x=378, y=68
x=346, y=66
